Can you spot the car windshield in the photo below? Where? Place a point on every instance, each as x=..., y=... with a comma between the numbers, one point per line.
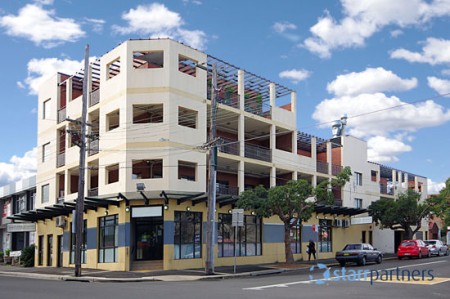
x=352, y=247
x=409, y=243
x=430, y=242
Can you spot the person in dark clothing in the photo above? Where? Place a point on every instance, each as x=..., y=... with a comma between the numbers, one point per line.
x=311, y=250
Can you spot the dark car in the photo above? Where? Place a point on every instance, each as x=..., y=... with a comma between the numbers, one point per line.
x=437, y=247
x=413, y=248
x=359, y=253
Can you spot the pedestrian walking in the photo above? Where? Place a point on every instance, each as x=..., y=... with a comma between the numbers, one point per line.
x=311, y=250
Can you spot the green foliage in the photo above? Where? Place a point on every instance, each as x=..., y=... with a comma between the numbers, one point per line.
x=1, y=254
x=27, y=256
x=7, y=252
x=440, y=204
x=404, y=212
x=323, y=192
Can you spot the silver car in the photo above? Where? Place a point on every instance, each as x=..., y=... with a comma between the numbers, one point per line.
x=436, y=247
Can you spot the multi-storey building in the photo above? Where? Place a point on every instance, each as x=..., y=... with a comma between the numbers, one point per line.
x=146, y=176
x=16, y=198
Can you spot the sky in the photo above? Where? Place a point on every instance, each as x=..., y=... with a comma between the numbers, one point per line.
x=384, y=63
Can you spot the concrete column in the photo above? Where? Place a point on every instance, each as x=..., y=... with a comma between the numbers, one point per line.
x=272, y=92
x=68, y=91
x=294, y=175
x=241, y=135
x=378, y=176
x=314, y=149
x=294, y=102
x=329, y=157
x=241, y=89
x=294, y=142
x=416, y=184
x=241, y=176
x=273, y=137
x=406, y=181
x=394, y=181
x=66, y=184
x=400, y=182
x=273, y=177
x=314, y=181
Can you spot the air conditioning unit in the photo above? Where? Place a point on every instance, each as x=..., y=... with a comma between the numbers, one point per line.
x=60, y=221
x=345, y=223
x=337, y=222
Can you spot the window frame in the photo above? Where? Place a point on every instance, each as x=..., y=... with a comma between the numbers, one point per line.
x=45, y=199
x=45, y=152
x=103, y=227
x=325, y=226
x=182, y=226
x=358, y=178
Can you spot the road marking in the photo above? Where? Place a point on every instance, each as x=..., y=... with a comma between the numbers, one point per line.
x=287, y=284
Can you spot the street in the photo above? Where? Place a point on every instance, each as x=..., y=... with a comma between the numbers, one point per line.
x=429, y=278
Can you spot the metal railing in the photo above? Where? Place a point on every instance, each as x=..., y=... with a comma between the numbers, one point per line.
x=231, y=100
x=61, y=159
x=336, y=169
x=93, y=192
x=94, y=98
x=229, y=146
x=228, y=190
x=61, y=115
x=93, y=147
x=322, y=166
x=258, y=152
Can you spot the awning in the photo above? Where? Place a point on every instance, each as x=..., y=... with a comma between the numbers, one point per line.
x=338, y=210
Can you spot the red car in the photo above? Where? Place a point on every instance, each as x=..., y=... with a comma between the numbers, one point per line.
x=410, y=248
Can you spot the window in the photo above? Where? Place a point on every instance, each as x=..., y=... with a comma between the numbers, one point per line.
x=187, y=117
x=188, y=235
x=45, y=193
x=186, y=170
x=45, y=152
x=147, y=169
x=112, y=174
x=113, y=68
x=296, y=239
x=358, y=203
x=358, y=178
x=46, y=109
x=108, y=240
x=373, y=175
x=248, y=239
x=146, y=114
x=73, y=243
x=148, y=59
x=187, y=65
x=50, y=250
x=325, y=236
x=41, y=250
x=112, y=120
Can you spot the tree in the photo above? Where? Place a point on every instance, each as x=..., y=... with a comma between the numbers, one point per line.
x=440, y=204
x=293, y=203
x=404, y=212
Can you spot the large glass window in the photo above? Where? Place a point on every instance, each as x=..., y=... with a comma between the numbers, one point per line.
x=188, y=235
x=73, y=243
x=296, y=239
x=325, y=236
x=358, y=178
x=108, y=243
x=248, y=238
x=45, y=193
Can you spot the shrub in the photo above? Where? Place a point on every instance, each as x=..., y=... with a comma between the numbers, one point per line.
x=7, y=251
x=27, y=256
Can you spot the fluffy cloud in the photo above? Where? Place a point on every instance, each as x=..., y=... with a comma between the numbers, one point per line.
x=157, y=20
x=283, y=28
x=441, y=86
x=434, y=188
x=295, y=75
x=364, y=18
x=445, y=72
x=371, y=80
x=40, y=70
x=18, y=168
x=41, y=26
x=396, y=33
x=383, y=149
x=97, y=24
x=435, y=51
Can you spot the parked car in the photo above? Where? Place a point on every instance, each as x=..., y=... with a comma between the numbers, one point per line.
x=413, y=248
x=437, y=247
x=359, y=253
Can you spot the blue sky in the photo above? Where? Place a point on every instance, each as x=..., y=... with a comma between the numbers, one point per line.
x=386, y=64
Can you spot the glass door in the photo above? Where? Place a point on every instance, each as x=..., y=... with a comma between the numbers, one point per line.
x=149, y=238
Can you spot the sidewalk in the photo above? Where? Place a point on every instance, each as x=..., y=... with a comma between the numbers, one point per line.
x=93, y=275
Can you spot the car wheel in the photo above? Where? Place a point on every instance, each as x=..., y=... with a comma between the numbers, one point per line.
x=446, y=252
x=379, y=259
x=342, y=263
x=420, y=255
x=400, y=257
x=429, y=254
x=363, y=261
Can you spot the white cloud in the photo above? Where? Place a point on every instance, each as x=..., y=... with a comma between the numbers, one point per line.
x=361, y=19
x=97, y=24
x=369, y=114
x=282, y=29
x=44, y=2
x=196, y=2
x=41, y=26
x=445, y=72
x=435, y=51
x=156, y=20
x=18, y=168
x=371, y=80
x=295, y=75
x=40, y=70
x=396, y=33
x=383, y=149
x=439, y=85
x=433, y=187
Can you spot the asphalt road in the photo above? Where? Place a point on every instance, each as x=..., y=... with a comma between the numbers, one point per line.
x=428, y=278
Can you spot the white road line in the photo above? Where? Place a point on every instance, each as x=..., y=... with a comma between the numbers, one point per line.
x=287, y=284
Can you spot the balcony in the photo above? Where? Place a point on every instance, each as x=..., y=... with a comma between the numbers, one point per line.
x=322, y=167
x=231, y=100
x=93, y=147
x=61, y=115
x=226, y=190
x=258, y=152
x=229, y=146
x=336, y=169
x=61, y=159
x=93, y=192
x=385, y=190
x=94, y=98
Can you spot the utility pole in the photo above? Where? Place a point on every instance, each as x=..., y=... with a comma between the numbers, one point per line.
x=211, y=221
x=79, y=222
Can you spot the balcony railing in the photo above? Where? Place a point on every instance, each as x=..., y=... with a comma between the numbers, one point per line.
x=93, y=192
x=258, y=152
x=229, y=146
x=61, y=159
x=227, y=190
x=385, y=190
x=61, y=115
x=94, y=98
x=336, y=169
x=322, y=166
x=93, y=147
x=231, y=100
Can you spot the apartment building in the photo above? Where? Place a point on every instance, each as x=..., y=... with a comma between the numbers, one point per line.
x=17, y=198
x=146, y=175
